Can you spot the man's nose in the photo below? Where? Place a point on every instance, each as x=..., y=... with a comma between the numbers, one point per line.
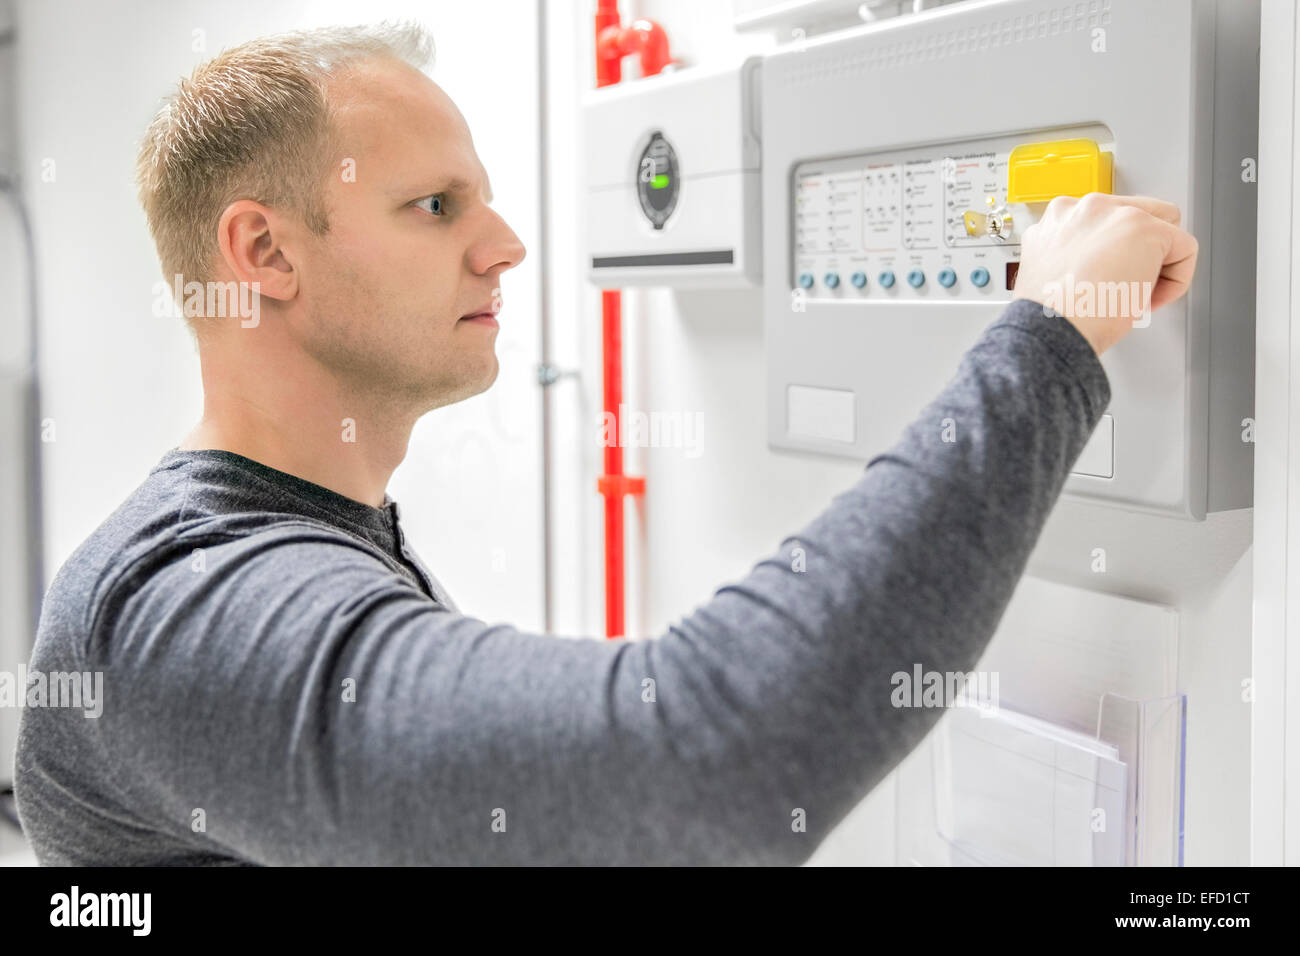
x=500, y=250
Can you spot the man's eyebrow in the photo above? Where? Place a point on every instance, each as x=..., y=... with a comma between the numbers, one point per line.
x=446, y=184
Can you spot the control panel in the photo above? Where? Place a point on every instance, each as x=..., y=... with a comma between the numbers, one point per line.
x=936, y=222
x=902, y=163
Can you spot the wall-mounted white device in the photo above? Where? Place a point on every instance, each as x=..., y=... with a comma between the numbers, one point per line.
x=673, y=179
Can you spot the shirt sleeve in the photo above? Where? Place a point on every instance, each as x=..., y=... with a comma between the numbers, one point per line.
x=319, y=710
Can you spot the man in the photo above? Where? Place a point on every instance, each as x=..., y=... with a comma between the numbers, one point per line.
x=285, y=683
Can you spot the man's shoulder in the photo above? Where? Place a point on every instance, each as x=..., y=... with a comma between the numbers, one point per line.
x=163, y=537
x=185, y=600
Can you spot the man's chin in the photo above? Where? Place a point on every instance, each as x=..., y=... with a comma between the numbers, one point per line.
x=467, y=387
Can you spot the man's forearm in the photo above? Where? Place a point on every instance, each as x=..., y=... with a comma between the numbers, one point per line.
x=745, y=733
x=784, y=677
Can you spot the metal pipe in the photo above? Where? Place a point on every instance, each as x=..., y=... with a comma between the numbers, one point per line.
x=544, y=313
x=35, y=527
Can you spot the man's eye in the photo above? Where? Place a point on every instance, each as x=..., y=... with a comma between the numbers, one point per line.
x=435, y=204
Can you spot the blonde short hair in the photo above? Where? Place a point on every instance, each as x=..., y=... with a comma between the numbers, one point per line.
x=253, y=123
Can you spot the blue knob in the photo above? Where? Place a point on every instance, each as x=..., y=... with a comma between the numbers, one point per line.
x=980, y=277
x=806, y=280
x=916, y=278
x=887, y=279
x=947, y=278
x=832, y=280
x=859, y=280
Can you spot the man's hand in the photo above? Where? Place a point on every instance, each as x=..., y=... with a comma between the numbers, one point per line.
x=1120, y=249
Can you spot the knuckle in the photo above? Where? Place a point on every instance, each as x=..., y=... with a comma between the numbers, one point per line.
x=1133, y=220
x=1093, y=202
x=1060, y=205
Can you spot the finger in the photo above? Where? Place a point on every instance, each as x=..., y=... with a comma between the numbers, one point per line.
x=1177, y=269
x=1059, y=207
x=1157, y=207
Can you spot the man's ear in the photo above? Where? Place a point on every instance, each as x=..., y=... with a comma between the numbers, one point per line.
x=252, y=238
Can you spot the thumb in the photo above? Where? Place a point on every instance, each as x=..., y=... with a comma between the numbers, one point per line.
x=1177, y=268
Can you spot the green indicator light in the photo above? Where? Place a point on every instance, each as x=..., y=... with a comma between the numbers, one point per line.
x=659, y=182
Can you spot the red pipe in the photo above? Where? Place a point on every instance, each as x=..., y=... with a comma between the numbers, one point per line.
x=614, y=485
x=643, y=37
x=613, y=42
x=609, y=68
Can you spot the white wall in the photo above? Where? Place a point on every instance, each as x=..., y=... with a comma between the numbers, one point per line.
x=1275, y=742
x=709, y=518
x=123, y=386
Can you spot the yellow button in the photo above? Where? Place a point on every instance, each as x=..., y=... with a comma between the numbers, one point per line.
x=1038, y=172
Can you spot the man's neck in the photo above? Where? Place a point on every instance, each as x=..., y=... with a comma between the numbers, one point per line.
x=353, y=454
x=278, y=406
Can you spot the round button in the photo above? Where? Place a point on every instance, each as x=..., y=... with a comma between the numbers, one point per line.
x=859, y=279
x=887, y=279
x=980, y=277
x=916, y=278
x=832, y=280
x=947, y=278
x=805, y=280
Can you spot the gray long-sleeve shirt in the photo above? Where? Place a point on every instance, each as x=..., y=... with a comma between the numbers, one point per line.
x=284, y=683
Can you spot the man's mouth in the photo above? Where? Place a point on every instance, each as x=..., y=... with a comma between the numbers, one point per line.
x=487, y=315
